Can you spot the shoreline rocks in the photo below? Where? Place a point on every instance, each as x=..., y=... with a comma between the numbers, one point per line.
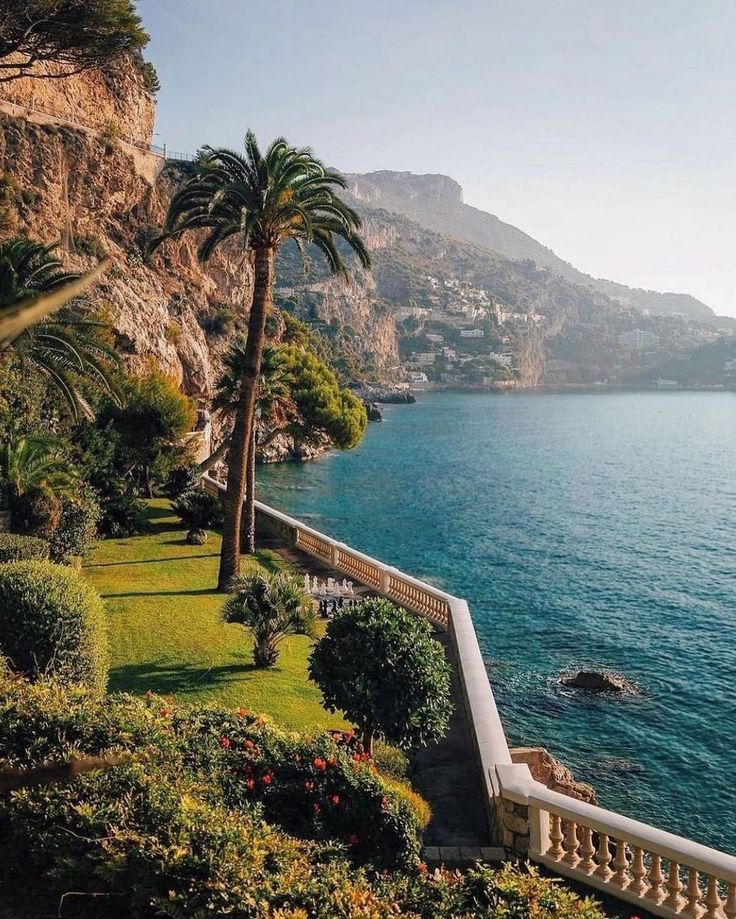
x=388, y=394
x=553, y=774
x=597, y=681
x=373, y=411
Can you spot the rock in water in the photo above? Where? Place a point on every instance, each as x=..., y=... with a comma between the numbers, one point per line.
x=373, y=411
x=593, y=681
x=553, y=774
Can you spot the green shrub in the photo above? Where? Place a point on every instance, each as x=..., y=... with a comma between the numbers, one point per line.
x=52, y=623
x=197, y=537
x=179, y=481
x=36, y=512
x=123, y=514
x=198, y=509
x=77, y=529
x=17, y=548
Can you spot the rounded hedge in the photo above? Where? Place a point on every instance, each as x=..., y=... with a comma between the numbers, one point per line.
x=17, y=548
x=52, y=623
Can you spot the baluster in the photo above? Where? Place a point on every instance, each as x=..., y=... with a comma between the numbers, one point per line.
x=555, y=837
x=730, y=908
x=587, y=850
x=656, y=877
x=674, y=899
x=693, y=894
x=571, y=856
x=604, y=858
x=621, y=875
x=712, y=899
x=638, y=872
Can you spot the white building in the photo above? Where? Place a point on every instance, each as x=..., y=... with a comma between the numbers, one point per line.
x=417, y=376
x=638, y=340
x=433, y=336
x=506, y=358
x=472, y=333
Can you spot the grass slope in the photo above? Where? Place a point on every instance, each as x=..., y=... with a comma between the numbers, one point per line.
x=166, y=634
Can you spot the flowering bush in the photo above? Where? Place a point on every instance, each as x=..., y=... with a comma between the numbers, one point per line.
x=183, y=829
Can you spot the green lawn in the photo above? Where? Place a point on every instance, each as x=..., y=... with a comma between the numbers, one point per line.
x=166, y=634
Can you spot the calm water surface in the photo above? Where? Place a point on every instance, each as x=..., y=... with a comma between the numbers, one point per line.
x=585, y=530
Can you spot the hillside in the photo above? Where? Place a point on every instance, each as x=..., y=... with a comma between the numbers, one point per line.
x=436, y=202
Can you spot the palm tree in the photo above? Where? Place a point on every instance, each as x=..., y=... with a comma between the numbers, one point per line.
x=66, y=347
x=274, y=391
x=264, y=200
x=272, y=607
x=37, y=462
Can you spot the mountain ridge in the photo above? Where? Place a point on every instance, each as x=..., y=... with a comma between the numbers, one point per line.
x=436, y=202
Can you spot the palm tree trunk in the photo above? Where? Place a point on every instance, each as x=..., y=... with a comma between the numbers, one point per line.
x=237, y=458
x=248, y=535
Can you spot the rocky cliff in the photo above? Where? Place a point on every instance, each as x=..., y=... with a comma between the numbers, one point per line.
x=76, y=167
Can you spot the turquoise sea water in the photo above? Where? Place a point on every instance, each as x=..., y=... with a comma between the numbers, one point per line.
x=585, y=530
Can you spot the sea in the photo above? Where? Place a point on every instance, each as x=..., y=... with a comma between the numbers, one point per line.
x=586, y=531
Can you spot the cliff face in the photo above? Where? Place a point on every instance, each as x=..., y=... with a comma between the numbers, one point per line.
x=76, y=155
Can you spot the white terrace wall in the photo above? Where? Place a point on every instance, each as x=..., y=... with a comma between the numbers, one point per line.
x=662, y=873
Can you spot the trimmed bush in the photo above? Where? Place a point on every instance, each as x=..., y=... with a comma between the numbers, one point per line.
x=15, y=547
x=77, y=529
x=52, y=623
x=179, y=481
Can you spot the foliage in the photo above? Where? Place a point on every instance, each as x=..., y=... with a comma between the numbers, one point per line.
x=102, y=463
x=198, y=509
x=77, y=529
x=35, y=512
x=52, y=622
x=68, y=348
x=183, y=829
x=148, y=73
x=72, y=35
x=380, y=665
x=179, y=480
x=272, y=607
x=150, y=425
x=17, y=548
x=39, y=462
x=197, y=537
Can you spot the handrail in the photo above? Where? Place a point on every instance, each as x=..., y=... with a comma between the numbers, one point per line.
x=570, y=836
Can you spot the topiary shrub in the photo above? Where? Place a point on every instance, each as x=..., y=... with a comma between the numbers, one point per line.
x=77, y=529
x=52, y=623
x=15, y=547
x=197, y=537
x=379, y=664
x=36, y=512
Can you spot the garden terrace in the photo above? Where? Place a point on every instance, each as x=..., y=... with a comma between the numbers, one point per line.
x=166, y=634
x=657, y=871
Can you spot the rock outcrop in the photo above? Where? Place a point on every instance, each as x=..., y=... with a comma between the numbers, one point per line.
x=595, y=681
x=553, y=774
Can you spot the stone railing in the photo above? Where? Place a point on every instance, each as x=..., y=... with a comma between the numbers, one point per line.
x=661, y=873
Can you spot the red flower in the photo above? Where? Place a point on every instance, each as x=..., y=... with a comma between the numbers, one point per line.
x=319, y=763
x=267, y=779
x=224, y=742
x=385, y=802
x=164, y=712
x=335, y=799
x=316, y=808
x=250, y=784
x=422, y=868
x=309, y=785
x=249, y=745
x=332, y=762
x=241, y=712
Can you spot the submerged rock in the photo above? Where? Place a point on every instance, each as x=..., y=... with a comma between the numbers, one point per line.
x=594, y=681
x=553, y=774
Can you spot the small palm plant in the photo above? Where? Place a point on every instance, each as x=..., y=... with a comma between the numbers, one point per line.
x=272, y=607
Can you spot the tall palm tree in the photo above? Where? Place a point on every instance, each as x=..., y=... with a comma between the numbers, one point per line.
x=274, y=391
x=66, y=347
x=37, y=462
x=264, y=200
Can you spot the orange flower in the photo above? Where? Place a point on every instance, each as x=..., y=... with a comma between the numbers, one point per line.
x=319, y=763
x=332, y=762
x=164, y=712
x=249, y=745
x=422, y=868
x=335, y=799
x=241, y=712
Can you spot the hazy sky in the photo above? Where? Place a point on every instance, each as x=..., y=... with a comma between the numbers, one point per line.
x=604, y=128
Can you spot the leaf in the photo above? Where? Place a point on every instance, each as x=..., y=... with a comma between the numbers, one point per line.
x=17, y=317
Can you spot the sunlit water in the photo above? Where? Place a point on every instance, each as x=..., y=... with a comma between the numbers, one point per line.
x=593, y=530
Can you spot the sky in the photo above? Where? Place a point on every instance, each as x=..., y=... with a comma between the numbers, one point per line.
x=604, y=128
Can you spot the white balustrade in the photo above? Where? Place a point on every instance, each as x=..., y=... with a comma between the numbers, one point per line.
x=662, y=873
